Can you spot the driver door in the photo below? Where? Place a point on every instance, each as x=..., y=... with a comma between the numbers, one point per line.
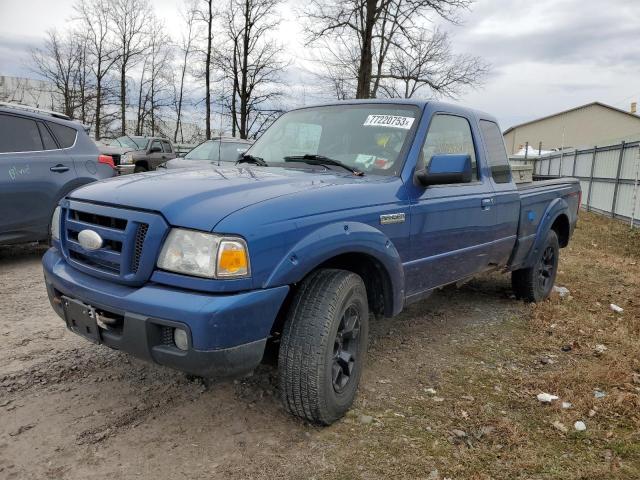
x=451, y=225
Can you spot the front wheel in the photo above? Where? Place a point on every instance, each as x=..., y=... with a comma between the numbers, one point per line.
x=534, y=284
x=323, y=347
x=140, y=169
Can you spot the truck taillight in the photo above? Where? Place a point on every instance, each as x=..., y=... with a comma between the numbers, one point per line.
x=107, y=160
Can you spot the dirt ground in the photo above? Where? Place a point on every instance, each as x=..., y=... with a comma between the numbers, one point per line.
x=449, y=390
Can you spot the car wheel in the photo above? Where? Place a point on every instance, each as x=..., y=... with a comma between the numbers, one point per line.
x=323, y=347
x=140, y=168
x=534, y=284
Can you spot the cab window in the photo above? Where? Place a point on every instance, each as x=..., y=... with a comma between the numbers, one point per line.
x=496, y=153
x=449, y=134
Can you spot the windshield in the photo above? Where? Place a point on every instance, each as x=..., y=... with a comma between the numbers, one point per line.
x=366, y=137
x=214, y=150
x=139, y=143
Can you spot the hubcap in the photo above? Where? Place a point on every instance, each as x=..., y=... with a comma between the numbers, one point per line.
x=345, y=348
x=545, y=268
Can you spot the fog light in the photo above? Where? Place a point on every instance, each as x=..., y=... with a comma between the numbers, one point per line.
x=180, y=339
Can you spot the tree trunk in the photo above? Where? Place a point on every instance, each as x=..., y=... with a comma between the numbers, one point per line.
x=98, y=106
x=244, y=71
x=365, y=68
x=123, y=98
x=207, y=73
x=182, y=75
x=234, y=108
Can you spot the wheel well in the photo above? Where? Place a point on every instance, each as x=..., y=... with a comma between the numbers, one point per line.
x=373, y=274
x=142, y=163
x=561, y=227
x=376, y=281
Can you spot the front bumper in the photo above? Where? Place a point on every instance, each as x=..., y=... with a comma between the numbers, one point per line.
x=227, y=333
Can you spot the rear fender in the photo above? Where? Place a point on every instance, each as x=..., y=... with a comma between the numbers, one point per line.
x=336, y=239
x=557, y=207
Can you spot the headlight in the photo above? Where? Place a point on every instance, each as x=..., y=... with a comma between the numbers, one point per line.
x=204, y=255
x=55, y=224
x=126, y=159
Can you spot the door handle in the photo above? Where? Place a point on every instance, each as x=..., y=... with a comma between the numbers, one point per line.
x=486, y=203
x=59, y=168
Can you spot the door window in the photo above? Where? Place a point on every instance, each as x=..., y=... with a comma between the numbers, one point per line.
x=156, y=144
x=18, y=134
x=66, y=135
x=497, y=154
x=449, y=134
x=166, y=146
x=47, y=140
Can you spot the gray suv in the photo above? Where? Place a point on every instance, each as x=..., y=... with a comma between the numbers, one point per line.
x=134, y=153
x=43, y=156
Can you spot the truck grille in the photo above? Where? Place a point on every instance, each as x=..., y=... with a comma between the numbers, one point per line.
x=141, y=233
x=130, y=241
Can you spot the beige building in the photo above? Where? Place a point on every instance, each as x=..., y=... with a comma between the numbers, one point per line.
x=584, y=126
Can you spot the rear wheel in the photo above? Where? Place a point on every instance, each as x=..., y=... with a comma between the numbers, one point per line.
x=534, y=284
x=324, y=344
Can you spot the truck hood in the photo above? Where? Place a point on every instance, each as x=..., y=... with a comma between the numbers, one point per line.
x=199, y=199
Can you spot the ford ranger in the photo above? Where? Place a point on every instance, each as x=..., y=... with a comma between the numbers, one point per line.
x=336, y=214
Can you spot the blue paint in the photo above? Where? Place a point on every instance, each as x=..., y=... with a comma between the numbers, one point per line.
x=296, y=219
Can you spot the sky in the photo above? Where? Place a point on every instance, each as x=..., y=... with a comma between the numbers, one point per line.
x=545, y=55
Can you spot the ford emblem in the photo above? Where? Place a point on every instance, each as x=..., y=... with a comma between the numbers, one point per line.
x=89, y=240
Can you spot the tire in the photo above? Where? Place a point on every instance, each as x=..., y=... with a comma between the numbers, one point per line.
x=534, y=284
x=323, y=346
x=139, y=169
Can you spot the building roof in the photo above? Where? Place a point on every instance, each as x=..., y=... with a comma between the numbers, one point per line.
x=600, y=104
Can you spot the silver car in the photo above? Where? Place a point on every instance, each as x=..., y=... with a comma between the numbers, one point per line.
x=218, y=151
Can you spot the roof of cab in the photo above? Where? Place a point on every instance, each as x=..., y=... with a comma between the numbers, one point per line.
x=422, y=104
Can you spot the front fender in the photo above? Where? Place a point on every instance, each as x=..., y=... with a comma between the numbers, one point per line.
x=337, y=239
x=557, y=207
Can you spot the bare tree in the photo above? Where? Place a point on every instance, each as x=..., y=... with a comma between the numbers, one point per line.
x=251, y=60
x=185, y=47
x=375, y=26
x=428, y=62
x=207, y=15
x=131, y=19
x=96, y=22
x=58, y=61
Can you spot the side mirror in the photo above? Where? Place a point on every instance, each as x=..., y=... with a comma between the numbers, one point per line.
x=444, y=169
x=155, y=150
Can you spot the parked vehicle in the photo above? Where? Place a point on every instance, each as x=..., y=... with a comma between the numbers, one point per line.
x=43, y=156
x=217, y=151
x=139, y=154
x=335, y=213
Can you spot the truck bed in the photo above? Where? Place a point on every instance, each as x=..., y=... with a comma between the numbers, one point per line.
x=546, y=181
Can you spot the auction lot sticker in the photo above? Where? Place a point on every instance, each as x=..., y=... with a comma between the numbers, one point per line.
x=392, y=121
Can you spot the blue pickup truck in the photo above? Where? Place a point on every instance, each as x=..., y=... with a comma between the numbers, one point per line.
x=336, y=214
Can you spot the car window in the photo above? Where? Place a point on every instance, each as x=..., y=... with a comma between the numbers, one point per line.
x=449, y=134
x=497, y=154
x=156, y=144
x=18, y=134
x=207, y=150
x=367, y=137
x=66, y=136
x=166, y=146
x=229, y=151
x=47, y=140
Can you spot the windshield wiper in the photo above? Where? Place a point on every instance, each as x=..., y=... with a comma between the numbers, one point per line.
x=246, y=158
x=322, y=160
